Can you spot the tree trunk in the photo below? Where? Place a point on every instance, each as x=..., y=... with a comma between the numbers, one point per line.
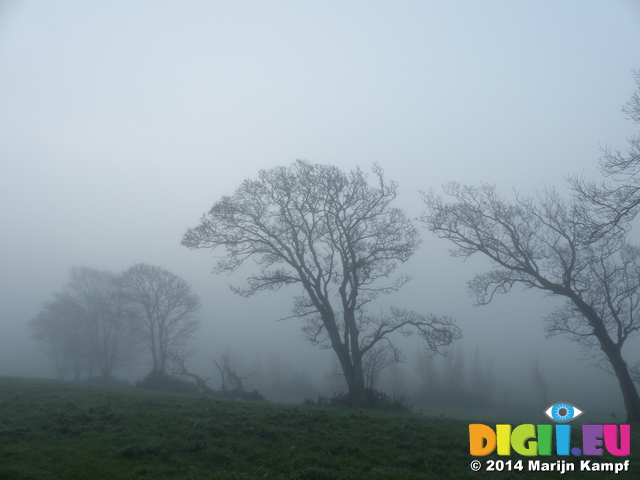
x=359, y=392
x=614, y=355
x=353, y=375
x=629, y=392
x=153, y=350
x=351, y=363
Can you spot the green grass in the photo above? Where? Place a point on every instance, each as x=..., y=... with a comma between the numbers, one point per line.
x=60, y=430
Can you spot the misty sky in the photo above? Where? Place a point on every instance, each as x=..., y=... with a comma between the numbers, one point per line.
x=121, y=123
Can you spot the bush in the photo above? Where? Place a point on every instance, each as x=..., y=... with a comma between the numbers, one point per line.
x=107, y=382
x=160, y=381
x=377, y=399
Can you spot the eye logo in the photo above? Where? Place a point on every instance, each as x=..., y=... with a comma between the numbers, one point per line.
x=563, y=412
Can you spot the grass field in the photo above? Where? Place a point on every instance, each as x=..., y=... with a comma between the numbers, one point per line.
x=60, y=430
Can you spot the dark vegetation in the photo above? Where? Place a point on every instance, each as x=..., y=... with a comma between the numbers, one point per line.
x=376, y=399
x=163, y=382
x=54, y=429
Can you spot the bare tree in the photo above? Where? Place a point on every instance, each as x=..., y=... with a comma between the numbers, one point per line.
x=85, y=325
x=337, y=237
x=178, y=367
x=163, y=307
x=455, y=374
x=60, y=328
x=539, y=380
x=619, y=202
x=481, y=378
x=543, y=244
x=429, y=374
x=230, y=380
x=376, y=360
x=110, y=334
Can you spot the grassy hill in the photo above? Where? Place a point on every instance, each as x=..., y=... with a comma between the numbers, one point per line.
x=60, y=430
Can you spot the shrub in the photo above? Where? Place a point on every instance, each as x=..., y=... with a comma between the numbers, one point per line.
x=160, y=381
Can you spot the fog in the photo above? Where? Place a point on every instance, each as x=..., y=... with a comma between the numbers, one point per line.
x=123, y=123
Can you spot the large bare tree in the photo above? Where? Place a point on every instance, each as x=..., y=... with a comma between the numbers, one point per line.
x=164, y=309
x=543, y=244
x=336, y=236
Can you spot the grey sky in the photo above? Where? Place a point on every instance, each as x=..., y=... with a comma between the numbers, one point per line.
x=122, y=122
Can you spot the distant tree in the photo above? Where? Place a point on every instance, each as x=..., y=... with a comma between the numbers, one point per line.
x=455, y=374
x=337, y=237
x=110, y=333
x=60, y=328
x=163, y=308
x=543, y=244
x=178, y=367
x=539, y=380
x=481, y=379
x=453, y=381
x=84, y=327
x=616, y=203
x=376, y=360
x=230, y=380
x=430, y=377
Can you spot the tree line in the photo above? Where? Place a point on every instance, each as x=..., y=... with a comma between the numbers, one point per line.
x=336, y=237
x=101, y=322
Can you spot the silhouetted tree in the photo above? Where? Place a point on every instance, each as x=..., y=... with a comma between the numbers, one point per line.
x=339, y=239
x=110, y=334
x=619, y=202
x=163, y=308
x=85, y=326
x=376, y=360
x=453, y=381
x=230, y=380
x=60, y=328
x=178, y=367
x=543, y=244
x=455, y=374
x=481, y=379
x=539, y=380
